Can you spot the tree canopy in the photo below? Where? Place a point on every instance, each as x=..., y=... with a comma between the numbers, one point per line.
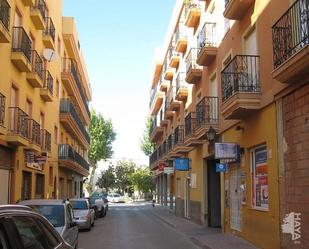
x=145, y=144
x=107, y=179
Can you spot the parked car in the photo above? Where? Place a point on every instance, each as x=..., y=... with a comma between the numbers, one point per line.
x=21, y=227
x=60, y=214
x=97, y=203
x=115, y=198
x=105, y=202
x=83, y=214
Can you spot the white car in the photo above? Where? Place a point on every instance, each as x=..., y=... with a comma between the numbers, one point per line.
x=115, y=198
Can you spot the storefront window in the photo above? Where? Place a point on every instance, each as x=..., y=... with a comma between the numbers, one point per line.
x=259, y=178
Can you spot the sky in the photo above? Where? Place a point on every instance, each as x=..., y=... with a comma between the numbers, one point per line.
x=118, y=40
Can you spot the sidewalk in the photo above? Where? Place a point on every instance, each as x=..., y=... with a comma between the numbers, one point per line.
x=206, y=238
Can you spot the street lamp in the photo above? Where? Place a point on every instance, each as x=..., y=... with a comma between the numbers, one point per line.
x=211, y=134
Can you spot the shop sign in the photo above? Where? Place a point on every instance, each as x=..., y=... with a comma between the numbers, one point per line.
x=35, y=161
x=161, y=166
x=169, y=170
x=221, y=167
x=181, y=164
x=226, y=151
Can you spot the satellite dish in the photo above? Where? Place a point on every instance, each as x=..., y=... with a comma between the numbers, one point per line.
x=49, y=54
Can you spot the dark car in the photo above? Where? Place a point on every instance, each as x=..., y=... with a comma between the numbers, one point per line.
x=20, y=227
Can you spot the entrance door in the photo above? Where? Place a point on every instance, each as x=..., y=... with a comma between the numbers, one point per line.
x=186, y=197
x=214, y=195
x=4, y=190
x=26, y=187
x=235, y=199
x=61, y=188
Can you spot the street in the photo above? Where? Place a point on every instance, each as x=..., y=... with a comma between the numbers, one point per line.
x=133, y=226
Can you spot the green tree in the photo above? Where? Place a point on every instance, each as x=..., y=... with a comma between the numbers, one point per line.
x=123, y=171
x=145, y=144
x=142, y=180
x=107, y=178
x=102, y=136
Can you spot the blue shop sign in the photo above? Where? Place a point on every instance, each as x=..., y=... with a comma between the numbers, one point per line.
x=221, y=167
x=181, y=164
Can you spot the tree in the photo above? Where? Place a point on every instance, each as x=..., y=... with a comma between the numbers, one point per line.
x=107, y=178
x=123, y=170
x=145, y=144
x=142, y=180
x=102, y=136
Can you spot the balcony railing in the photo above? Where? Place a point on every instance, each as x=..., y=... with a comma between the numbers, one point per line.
x=190, y=124
x=241, y=75
x=2, y=109
x=66, y=152
x=181, y=82
x=207, y=111
x=19, y=123
x=66, y=106
x=35, y=132
x=180, y=31
x=206, y=37
x=45, y=140
x=291, y=32
x=50, y=28
x=170, y=96
x=191, y=60
x=69, y=65
x=169, y=143
x=153, y=93
x=37, y=64
x=48, y=81
x=41, y=6
x=21, y=42
x=154, y=123
x=5, y=13
x=178, y=135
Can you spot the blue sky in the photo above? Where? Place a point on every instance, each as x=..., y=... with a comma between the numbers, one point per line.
x=118, y=39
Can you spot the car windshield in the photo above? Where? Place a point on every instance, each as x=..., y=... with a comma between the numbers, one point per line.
x=92, y=200
x=79, y=204
x=116, y=195
x=54, y=213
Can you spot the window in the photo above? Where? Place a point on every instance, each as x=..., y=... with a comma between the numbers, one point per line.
x=42, y=118
x=39, y=189
x=51, y=176
x=56, y=134
x=259, y=178
x=57, y=88
x=26, y=186
x=28, y=109
x=3, y=237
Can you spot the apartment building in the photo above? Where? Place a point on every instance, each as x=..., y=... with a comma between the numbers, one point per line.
x=229, y=97
x=44, y=103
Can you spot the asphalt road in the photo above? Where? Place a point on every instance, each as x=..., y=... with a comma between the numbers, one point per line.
x=132, y=226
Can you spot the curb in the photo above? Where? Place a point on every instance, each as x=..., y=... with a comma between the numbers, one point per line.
x=165, y=221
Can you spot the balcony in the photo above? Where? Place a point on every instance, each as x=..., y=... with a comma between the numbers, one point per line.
x=21, y=50
x=35, y=77
x=49, y=34
x=171, y=103
x=181, y=87
x=5, y=11
x=71, y=160
x=71, y=121
x=156, y=100
x=164, y=84
x=236, y=9
x=163, y=121
x=19, y=127
x=35, y=136
x=45, y=140
x=190, y=125
x=47, y=91
x=173, y=57
x=241, y=89
x=207, y=115
x=168, y=71
x=2, y=114
x=72, y=82
x=179, y=147
x=38, y=14
x=206, y=45
x=193, y=70
x=192, y=13
x=153, y=159
x=290, y=44
x=181, y=38
x=156, y=131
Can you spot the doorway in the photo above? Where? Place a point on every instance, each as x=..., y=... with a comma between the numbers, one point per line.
x=26, y=185
x=187, y=197
x=213, y=194
x=235, y=199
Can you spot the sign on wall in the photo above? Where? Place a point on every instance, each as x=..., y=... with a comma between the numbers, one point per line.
x=169, y=170
x=221, y=167
x=226, y=151
x=181, y=164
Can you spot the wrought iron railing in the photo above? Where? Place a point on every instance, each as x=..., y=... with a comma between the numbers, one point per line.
x=5, y=13
x=191, y=60
x=206, y=37
x=45, y=140
x=21, y=42
x=241, y=75
x=66, y=152
x=48, y=82
x=41, y=6
x=35, y=132
x=180, y=32
x=153, y=93
x=181, y=82
x=190, y=124
x=19, y=123
x=178, y=135
x=207, y=112
x=67, y=107
x=50, y=28
x=2, y=109
x=171, y=52
x=291, y=32
x=70, y=66
x=37, y=64
x=170, y=142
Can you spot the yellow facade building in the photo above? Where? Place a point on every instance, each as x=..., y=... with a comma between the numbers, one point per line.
x=44, y=91
x=219, y=95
